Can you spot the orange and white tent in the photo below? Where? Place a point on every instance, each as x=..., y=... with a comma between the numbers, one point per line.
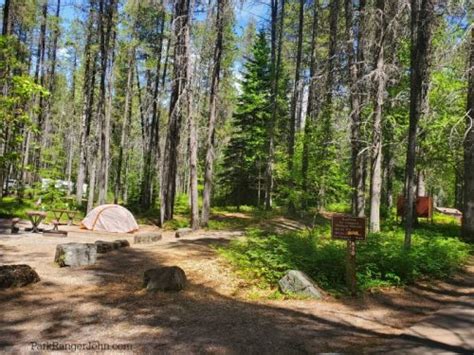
x=110, y=218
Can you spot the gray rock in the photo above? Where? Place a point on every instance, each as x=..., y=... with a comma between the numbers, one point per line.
x=122, y=243
x=75, y=254
x=104, y=247
x=17, y=276
x=181, y=232
x=146, y=237
x=298, y=282
x=168, y=278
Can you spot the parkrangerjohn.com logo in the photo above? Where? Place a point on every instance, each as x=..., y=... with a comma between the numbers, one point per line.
x=91, y=345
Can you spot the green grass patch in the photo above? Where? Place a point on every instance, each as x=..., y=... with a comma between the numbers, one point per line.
x=220, y=222
x=176, y=223
x=381, y=260
x=339, y=207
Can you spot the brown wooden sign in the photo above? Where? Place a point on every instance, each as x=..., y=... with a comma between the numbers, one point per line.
x=348, y=228
x=423, y=206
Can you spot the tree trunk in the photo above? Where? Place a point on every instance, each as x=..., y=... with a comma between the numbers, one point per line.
x=152, y=149
x=380, y=78
x=42, y=78
x=193, y=174
x=177, y=109
x=127, y=115
x=7, y=23
x=276, y=61
x=420, y=184
x=467, y=228
x=91, y=187
x=211, y=129
x=70, y=153
x=312, y=109
x=88, y=103
x=459, y=185
x=327, y=111
x=422, y=18
x=52, y=52
x=296, y=90
x=354, y=53
x=389, y=165
x=71, y=135
x=106, y=44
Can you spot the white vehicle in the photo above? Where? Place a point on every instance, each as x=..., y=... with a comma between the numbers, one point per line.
x=59, y=184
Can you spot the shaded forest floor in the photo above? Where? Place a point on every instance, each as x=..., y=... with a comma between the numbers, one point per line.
x=215, y=313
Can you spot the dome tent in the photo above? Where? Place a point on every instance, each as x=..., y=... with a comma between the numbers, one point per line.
x=110, y=218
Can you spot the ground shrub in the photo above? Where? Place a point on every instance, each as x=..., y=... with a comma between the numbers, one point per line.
x=381, y=260
x=12, y=207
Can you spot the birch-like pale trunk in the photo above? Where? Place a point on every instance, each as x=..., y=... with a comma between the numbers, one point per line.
x=380, y=79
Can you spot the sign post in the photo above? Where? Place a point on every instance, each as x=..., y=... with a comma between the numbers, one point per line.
x=350, y=229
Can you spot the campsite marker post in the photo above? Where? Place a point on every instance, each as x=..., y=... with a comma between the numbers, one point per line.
x=350, y=229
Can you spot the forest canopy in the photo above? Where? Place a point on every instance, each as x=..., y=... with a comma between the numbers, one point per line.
x=295, y=104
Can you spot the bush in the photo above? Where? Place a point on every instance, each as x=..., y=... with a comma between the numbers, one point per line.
x=381, y=260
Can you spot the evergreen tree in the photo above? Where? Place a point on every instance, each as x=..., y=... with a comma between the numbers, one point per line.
x=245, y=154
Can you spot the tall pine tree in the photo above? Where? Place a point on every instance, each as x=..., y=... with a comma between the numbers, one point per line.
x=243, y=172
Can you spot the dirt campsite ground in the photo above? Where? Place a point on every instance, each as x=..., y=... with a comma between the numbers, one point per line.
x=106, y=305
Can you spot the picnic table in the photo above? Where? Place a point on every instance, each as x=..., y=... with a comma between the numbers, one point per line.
x=36, y=217
x=58, y=213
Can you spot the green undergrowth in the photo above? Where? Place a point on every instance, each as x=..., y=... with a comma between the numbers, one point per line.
x=12, y=207
x=264, y=257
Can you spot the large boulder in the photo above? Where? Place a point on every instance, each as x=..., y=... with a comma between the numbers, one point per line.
x=104, y=246
x=181, y=232
x=146, y=237
x=167, y=278
x=17, y=276
x=75, y=254
x=297, y=282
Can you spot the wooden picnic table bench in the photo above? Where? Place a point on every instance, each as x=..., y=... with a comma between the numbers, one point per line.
x=35, y=217
x=58, y=213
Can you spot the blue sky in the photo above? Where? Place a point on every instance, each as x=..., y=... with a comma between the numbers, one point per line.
x=244, y=12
